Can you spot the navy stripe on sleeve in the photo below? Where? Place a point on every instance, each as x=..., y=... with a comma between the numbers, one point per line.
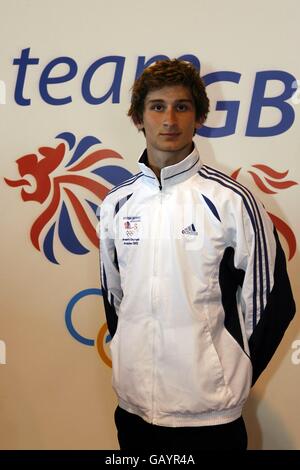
x=261, y=253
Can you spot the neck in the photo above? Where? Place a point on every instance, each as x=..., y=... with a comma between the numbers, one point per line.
x=160, y=159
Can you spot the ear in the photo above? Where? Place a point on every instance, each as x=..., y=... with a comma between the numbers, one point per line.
x=139, y=126
x=199, y=122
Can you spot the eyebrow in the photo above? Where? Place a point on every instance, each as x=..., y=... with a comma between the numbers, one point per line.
x=180, y=100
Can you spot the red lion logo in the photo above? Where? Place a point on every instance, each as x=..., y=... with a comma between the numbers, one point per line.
x=71, y=192
x=275, y=180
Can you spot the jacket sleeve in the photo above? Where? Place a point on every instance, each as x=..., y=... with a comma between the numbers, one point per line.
x=266, y=297
x=110, y=275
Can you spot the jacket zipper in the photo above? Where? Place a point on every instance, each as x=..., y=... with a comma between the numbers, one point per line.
x=155, y=303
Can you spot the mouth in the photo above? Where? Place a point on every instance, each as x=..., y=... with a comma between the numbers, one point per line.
x=170, y=134
x=28, y=180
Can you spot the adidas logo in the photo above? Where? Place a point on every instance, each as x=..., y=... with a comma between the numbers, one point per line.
x=189, y=230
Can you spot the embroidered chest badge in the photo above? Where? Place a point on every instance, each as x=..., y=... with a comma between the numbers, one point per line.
x=131, y=230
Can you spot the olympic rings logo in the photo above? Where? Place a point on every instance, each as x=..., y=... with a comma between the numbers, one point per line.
x=103, y=336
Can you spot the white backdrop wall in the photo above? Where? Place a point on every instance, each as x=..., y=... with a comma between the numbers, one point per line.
x=61, y=114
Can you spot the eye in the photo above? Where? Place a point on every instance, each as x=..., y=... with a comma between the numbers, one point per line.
x=182, y=107
x=157, y=107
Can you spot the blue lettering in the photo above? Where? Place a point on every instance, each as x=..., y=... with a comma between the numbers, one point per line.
x=142, y=64
x=46, y=80
x=193, y=59
x=258, y=101
x=116, y=83
x=23, y=62
x=232, y=107
x=279, y=102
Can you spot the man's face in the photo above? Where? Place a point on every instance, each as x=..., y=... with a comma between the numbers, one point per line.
x=169, y=120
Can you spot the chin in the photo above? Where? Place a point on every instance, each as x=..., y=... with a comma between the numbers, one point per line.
x=174, y=147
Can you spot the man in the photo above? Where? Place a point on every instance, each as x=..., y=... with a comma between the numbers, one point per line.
x=194, y=279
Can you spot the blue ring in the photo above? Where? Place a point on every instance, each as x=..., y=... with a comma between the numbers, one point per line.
x=69, y=310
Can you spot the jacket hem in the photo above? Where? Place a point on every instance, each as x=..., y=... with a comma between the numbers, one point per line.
x=210, y=418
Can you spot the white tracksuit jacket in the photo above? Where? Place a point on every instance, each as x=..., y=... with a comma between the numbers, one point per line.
x=196, y=293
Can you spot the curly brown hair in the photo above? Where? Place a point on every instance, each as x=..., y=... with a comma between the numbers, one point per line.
x=168, y=73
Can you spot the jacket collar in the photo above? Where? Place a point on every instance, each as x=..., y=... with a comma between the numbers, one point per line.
x=172, y=174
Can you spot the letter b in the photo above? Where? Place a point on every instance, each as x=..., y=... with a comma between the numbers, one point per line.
x=259, y=100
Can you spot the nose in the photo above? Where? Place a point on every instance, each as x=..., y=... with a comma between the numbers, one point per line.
x=170, y=118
